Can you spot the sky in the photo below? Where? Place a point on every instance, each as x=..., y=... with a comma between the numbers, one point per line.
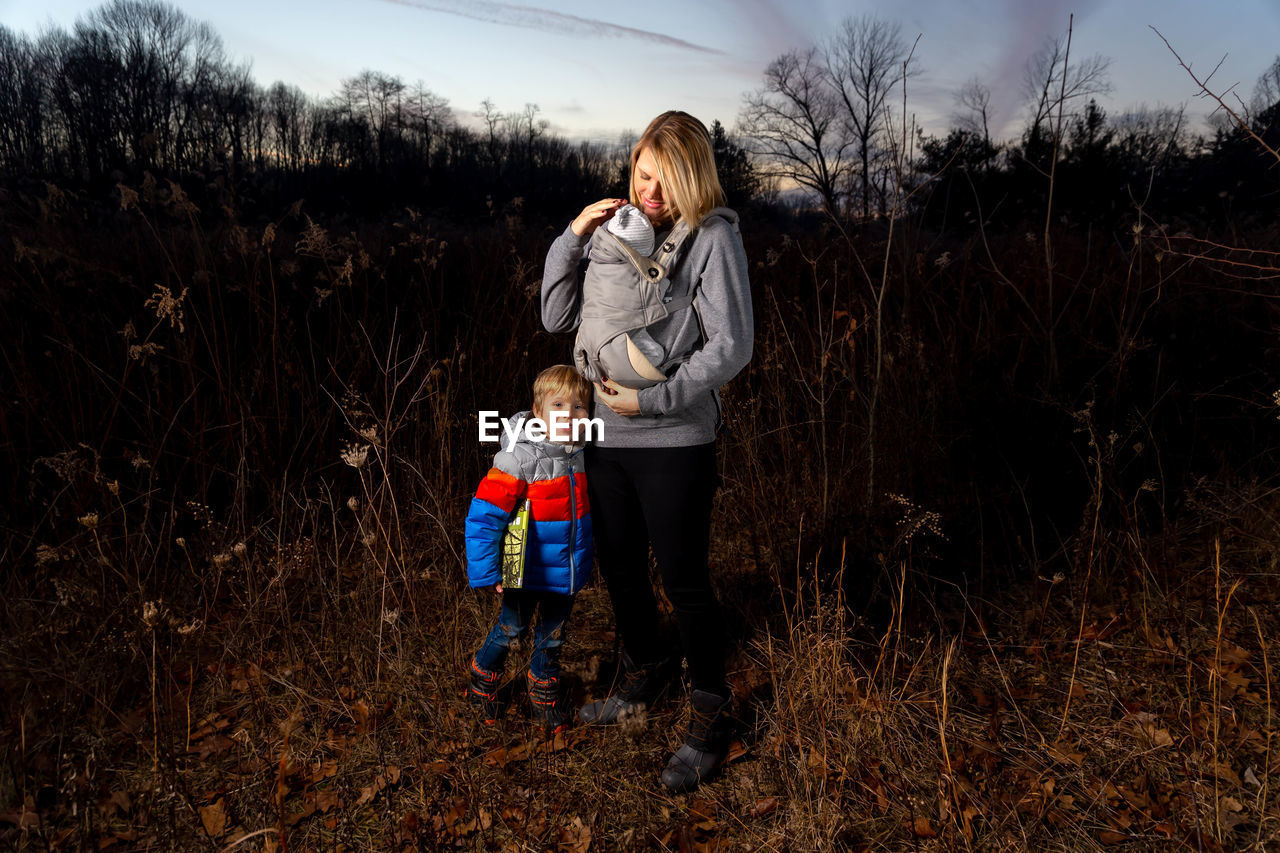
x=597, y=69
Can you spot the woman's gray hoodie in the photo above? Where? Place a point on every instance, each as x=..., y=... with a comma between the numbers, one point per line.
x=685, y=409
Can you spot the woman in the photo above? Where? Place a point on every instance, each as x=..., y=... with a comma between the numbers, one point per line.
x=652, y=476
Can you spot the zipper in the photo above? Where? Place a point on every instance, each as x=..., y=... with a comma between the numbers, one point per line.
x=573, y=522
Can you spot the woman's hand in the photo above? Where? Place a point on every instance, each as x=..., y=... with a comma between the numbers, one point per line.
x=623, y=401
x=594, y=215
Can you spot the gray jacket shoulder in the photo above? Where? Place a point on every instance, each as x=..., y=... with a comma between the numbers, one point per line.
x=534, y=462
x=721, y=224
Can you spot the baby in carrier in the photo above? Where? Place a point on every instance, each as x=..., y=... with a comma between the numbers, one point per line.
x=614, y=291
x=626, y=290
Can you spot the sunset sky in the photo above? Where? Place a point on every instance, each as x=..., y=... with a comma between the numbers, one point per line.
x=596, y=69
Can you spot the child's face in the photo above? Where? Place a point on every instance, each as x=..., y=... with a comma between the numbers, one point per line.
x=574, y=408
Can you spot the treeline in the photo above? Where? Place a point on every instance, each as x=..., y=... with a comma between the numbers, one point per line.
x=1143, y=163
x=831, y=118
x=137, y=86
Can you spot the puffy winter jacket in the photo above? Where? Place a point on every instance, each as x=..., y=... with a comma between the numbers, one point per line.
x=559, y=544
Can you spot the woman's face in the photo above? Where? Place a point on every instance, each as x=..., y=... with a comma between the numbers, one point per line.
x=651, y=198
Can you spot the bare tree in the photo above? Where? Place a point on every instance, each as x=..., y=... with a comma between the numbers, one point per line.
x=1051, y=82
x=599, y=164
x=84, y=87
x=1266, y=92
x=492, y=119
x=865, y=60
x=792, y=124
x=376, y=102
x=155, y=46
x=973, y=109
x=1151, y=137
x=1265, y=107
x=287, y=109
x=22, y=97
x=524, y=129
x=429, y=117
x=236, y=99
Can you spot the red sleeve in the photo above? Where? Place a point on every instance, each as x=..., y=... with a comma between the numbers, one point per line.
x=501, y=489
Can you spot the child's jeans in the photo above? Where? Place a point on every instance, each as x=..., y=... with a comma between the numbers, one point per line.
x=518, y=606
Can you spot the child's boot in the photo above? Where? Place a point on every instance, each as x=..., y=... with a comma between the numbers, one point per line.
x=545, y=704
x=706, y=745
x=483, y=693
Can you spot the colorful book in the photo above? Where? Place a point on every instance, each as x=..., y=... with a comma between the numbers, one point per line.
x=513, y=547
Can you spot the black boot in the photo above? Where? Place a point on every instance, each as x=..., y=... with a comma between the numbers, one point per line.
x=706, y=745
x=641, y=685
x=483, y=693
x=545, y=703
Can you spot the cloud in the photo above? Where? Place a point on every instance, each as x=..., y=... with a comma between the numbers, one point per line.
x=510, y=15
x=773, y=23
x=1030, y=25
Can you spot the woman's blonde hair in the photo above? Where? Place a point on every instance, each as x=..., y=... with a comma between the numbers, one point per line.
x=686, y=166
x=557, y=378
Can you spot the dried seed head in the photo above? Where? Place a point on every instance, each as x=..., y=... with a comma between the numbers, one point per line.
x=355, y=455
x=152, y=612
x=167, y=306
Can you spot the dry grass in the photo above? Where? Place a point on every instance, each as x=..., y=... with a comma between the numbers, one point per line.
x=343, y=728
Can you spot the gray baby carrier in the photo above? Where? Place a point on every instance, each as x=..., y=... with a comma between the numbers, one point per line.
x=620, y=299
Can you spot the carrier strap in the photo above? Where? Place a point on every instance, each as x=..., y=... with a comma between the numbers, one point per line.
x=678, y=303
x=658, y=267
x=648, y=268
x=675, y=240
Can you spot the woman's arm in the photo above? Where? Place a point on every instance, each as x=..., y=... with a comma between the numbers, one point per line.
x=724, y=308
x=562, y=283
x=561, y=276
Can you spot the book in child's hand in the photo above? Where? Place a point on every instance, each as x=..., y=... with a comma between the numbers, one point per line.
x=513, y=547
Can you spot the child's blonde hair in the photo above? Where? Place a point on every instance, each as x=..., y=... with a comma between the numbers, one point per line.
x=561, y=377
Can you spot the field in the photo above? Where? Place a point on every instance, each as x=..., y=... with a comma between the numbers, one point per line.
x=997, y=540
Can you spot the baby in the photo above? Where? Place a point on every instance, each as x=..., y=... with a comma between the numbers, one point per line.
x=631, y=226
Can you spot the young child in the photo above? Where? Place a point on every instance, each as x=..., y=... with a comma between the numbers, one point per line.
x=558, y=544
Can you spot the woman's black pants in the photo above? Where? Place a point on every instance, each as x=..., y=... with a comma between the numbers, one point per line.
x=659, y=497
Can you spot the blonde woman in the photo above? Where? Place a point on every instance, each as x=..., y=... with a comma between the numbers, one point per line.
x=652, y=476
